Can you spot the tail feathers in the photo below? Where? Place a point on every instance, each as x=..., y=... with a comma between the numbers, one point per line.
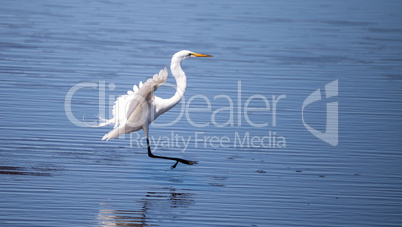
x=113, y=134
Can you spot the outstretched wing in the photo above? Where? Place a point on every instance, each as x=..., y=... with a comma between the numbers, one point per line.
x=125, y=105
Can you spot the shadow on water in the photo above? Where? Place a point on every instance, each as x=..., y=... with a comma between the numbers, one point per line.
x=153, y=203
x=33, y=171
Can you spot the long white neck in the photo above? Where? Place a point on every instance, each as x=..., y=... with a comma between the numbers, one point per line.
x=181, y=81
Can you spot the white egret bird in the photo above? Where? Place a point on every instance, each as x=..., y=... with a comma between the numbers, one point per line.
x=138, y=108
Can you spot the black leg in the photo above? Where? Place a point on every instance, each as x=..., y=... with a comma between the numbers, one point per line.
x=187, y=162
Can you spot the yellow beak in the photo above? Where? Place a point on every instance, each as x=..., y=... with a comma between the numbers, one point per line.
x=201, y=55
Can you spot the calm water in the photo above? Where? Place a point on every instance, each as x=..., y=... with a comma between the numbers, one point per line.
x=55, y=173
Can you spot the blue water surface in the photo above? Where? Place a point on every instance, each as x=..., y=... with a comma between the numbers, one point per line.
x=259, y=165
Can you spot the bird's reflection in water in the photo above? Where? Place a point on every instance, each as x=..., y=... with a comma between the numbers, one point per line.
x=154, y=204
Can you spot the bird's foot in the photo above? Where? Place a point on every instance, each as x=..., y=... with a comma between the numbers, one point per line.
x=187, y=162
x=174, y=166
x=192, y=162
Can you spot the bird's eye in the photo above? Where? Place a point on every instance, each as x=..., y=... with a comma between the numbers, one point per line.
x=189, y=54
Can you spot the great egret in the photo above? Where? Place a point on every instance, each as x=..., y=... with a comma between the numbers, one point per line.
x=138, y=108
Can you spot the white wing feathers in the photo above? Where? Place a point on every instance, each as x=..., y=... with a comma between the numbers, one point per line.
x=126, y=104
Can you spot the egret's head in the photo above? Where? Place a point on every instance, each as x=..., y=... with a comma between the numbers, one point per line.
x=184, y=54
